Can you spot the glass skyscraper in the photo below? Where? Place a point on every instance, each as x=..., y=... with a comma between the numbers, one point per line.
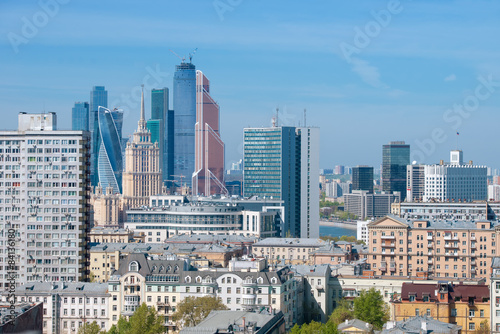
x=98, y=98
x=161, y=126
x=184, y=120
x=395, y=158
x=80, y=116
x=109, y=159
x=362, y=178
x=208, y=178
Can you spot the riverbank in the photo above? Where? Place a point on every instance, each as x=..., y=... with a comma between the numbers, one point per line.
x=348, y=225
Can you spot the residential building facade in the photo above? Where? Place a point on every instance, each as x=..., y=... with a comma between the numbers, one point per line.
x=44, y=202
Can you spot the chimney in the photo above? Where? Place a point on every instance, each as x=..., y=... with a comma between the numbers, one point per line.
x=441, y=162
x=346, y=321
x=390, y=325
x=244, y=328
x=424, y=326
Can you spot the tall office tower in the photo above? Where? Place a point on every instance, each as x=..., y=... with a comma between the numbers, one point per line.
x=109, y=158
x=184, y=119
x=44, y=201
x=98, y=98
x=80, y=116
x=161, y=126
x=362, y=178
x=395, y=158
x=415, y=183
x=208, y=178
x=142, y=177
x=275, y=165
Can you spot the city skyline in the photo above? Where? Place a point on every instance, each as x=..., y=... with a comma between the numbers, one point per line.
x=406, y=72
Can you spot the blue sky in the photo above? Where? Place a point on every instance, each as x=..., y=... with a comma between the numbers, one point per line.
x=422, y=72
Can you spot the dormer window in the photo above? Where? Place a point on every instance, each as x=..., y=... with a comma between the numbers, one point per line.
x=412, y=298
x=133, y=266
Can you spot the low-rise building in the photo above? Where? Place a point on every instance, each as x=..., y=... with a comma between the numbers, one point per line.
x=420, y=324
x=495, y=295
x=67, y=305
x=163, y=282
x=355, y=326
x=290, y=250
x=465, y=305
x=239, y=322
x=105, y=234
x=22, y=318
x=105, y=258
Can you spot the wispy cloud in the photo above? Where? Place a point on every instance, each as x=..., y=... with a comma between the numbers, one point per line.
x=451, y=77
x=368, y=73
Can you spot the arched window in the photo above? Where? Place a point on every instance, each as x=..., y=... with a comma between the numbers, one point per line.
x=273, y=280
x=260, y=280
x=161, y=268
x=154, y=268
x=198, y=279
x=188, y=279
x=133, y=266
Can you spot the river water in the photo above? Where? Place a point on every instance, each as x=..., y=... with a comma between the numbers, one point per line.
x=336, y=231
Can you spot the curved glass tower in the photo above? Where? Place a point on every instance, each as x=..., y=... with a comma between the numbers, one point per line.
x=109, y=159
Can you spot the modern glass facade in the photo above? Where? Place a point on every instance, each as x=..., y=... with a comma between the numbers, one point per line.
x=109, y=160
x=98, y=98
x=159, y=111
x=395, y=158
x=184, y=120
x=208, y=178
x=362, y=178
x=80, y=116
x=270, y=169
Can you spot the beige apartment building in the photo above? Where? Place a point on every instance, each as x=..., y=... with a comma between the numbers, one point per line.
x=434, y=249
x=289, y=250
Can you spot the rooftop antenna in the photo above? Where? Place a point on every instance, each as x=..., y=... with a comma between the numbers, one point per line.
x=305, y=111
x=277, y=116
x=192, y=54
x=181, y=58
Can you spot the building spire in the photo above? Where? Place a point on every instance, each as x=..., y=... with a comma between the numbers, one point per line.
x=142, y=121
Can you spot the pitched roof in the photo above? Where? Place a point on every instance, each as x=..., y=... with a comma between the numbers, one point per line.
x=416, y=325
x=356, y=323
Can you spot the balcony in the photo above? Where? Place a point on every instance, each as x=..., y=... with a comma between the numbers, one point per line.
x=473, y=246
x=393, y=269
x=388, y=237
x=430, y=253
x=430, y=237
x=447, y=237
x=430, y=261
x=473, y=262
x=451, y=246
x=389, y=245
x=163, y=304
x=430, y=246
x=473, y=271
x=320, y=287
x=473, y=238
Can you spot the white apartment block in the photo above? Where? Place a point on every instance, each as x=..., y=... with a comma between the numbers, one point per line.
x=455, y=182
x=494, y=192
x=44, y=202
x=362, y=230
x=67, y=305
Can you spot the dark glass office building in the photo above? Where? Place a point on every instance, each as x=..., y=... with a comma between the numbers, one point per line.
x=161, y=126
x=362, y=178
x=184, y=120
x=395, y=158
x=80, y=116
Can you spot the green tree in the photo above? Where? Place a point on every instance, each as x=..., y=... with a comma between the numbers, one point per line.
x=342, y=312
x=315, y=328
x=370, y=307
x=484, y=327
x=92, y=328
x=92, y=277
x=144, y=321
x=192, y=310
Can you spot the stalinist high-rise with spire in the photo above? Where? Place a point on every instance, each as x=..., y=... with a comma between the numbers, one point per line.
x=143, y=176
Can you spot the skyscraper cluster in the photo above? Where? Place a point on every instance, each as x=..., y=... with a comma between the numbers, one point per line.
x=191, y=151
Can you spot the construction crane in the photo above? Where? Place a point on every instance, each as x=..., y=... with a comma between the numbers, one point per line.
x=180, y=177
x=181, y=58
x=192, y=54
